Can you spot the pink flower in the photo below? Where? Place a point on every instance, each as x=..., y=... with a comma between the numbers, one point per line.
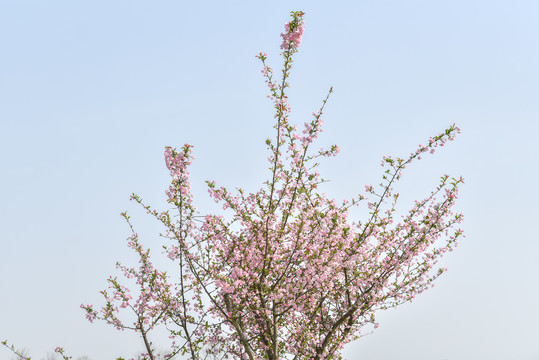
x=292, y=37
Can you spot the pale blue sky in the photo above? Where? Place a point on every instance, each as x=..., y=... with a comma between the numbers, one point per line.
x=92, y=91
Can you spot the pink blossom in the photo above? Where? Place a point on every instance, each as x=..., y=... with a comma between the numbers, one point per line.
x=293, y=34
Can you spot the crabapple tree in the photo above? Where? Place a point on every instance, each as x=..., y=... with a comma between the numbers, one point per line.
x=284, y=273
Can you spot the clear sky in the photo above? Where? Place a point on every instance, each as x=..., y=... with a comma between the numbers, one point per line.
x=92, y=91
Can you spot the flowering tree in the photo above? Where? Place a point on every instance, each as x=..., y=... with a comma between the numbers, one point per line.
x=286, y=275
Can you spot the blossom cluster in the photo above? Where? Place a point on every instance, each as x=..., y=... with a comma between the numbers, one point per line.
x=293, y=32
